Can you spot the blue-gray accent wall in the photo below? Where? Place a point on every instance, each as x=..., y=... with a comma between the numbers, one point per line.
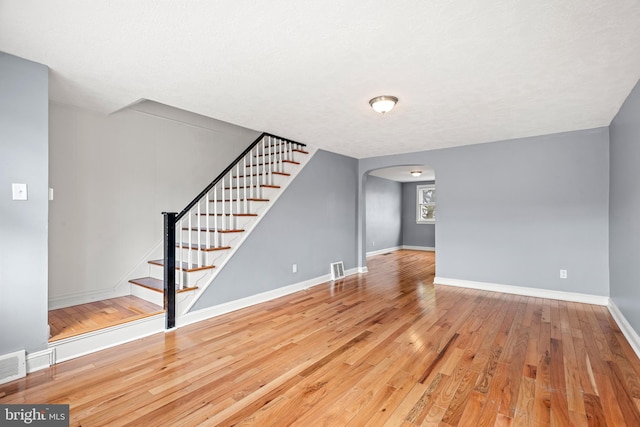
x=384, y=213
x=414, y=234
x=624, y=209
x=516, y=212
x=24, y=158
x=312, y=225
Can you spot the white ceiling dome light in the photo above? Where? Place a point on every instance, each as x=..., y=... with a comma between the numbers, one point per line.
x=383, y=104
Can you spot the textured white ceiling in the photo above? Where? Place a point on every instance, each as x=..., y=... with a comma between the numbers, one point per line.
x=465, y=71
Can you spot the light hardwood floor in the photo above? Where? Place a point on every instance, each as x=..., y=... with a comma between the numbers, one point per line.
x=79, y=319
x=384, y=348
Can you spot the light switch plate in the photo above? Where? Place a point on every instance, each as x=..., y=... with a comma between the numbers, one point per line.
x=19, y=191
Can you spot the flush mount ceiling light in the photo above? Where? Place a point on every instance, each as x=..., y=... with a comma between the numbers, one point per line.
x=383, y=104
x=416, y=173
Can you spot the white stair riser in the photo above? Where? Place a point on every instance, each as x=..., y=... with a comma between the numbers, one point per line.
x=250, y=206
x=189, y=279
x=258, y=193
x=224, y=239
x=275, y=179
x=214, y=239
x=294, y=156
x=227, y=222
x=154, y=297
x=261, y=167
x=206, y=257
x=265, y=169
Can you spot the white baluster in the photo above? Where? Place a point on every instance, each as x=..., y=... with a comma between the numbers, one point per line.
x=249, y=181
x=224, y=208
x=244, y=168
x=274, y=158
x=238, y=198
x=190, y=245
x=199, y=222
x=179, y=281
x=261, y=170
x=280, y=154
x=254, y=180
x=207, y=241
x=285, y=156
x=215, y=216
x=270, y=170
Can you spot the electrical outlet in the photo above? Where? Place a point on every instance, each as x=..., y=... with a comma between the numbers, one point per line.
x=19, y=191
x=563, y=274
x=295, y=268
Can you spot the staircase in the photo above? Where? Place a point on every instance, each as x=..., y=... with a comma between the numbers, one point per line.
x=214, y=225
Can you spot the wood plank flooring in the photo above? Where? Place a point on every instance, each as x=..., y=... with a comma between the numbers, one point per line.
x=387, y=348
x=79, y=319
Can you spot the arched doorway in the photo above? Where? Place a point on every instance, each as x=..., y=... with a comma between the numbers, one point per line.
x=400, y=209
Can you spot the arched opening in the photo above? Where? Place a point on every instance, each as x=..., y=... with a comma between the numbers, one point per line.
x=400, y=209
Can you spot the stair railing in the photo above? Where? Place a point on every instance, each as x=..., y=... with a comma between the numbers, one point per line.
x=220, y=203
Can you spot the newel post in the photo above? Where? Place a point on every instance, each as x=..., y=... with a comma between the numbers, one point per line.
x=170, y=268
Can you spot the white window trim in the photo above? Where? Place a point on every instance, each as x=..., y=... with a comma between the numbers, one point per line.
x=419, y=219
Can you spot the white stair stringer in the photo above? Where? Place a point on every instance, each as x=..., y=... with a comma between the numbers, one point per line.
x=186, y=300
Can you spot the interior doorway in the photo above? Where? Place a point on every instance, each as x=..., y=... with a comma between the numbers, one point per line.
x=400, y=209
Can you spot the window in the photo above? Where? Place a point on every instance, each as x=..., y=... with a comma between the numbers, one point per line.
x=426, y=204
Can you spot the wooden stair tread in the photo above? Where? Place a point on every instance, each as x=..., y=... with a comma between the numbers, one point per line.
x=293, y=162
x=228, y=214
x=276, y=153
x=156, y=284
x=203, y=247
x=102, y=325
x=184, y=267
x=266, y=173
x=261, y=185
x=271, y=145
x=248, y=199
x=212, y=230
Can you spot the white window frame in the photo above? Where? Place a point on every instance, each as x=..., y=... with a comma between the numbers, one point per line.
x=419, y=198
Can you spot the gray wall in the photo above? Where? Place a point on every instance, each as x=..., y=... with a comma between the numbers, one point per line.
x=624, y=209
x=23, y=224
x=384, y=213
x=516, y=212
x=313, y=224
x=113, y=176
x=414, y=234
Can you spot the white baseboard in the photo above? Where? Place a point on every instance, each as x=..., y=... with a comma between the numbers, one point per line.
x=86, y=297
x=419, y=248
x=40, y=359
x=228, y=307
x=625, y=327
x=383, y=251
x=519, y=290
x=81, y=345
